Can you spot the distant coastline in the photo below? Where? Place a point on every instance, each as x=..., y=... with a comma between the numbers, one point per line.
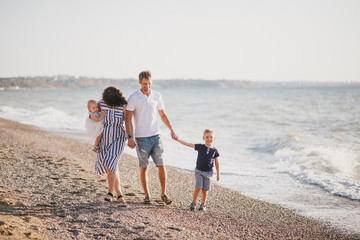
x=69, y=82
x=64, y=81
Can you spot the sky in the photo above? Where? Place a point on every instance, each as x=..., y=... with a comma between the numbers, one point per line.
x=257, y=40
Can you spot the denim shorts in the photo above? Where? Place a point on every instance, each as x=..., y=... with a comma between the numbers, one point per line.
x=203, y=179
x=149, y=146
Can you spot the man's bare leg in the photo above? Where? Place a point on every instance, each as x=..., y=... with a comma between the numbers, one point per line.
x=144, y=181
x=162, y=178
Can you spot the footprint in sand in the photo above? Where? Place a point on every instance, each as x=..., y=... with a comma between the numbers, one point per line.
x=26, y=219
x=175, y=229
x=28, y=234
x=130, y=194
x=139, y=228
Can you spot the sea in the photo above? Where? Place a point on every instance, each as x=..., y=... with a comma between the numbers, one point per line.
x=296, y=146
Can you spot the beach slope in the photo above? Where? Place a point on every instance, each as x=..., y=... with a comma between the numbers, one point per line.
x=49, y=190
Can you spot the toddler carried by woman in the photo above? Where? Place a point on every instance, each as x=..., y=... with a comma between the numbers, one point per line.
x=93, y=122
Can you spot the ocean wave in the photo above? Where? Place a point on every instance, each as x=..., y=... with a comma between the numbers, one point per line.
x=336, y=169
x=48, y=117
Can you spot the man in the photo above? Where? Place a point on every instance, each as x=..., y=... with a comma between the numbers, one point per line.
x=144, y=104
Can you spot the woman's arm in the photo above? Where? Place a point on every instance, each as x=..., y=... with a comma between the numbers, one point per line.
x=98, y=119
x=186, y=143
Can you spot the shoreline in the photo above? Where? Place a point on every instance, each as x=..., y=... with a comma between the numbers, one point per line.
x=48, y=188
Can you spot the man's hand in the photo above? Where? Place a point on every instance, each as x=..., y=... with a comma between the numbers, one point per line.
x=131, y=143
x=174, y=136
x=103, y=113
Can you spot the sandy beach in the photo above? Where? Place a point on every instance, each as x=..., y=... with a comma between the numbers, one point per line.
x=49, y=190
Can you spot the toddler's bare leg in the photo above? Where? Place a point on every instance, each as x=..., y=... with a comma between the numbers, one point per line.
x=98, y=139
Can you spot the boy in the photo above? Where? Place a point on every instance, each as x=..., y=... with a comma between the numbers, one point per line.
x=207, y=155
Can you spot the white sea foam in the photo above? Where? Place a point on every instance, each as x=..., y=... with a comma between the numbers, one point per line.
x=47, y=117
x=335, y=169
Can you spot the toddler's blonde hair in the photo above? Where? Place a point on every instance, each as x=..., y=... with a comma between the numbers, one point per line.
x=91, y=102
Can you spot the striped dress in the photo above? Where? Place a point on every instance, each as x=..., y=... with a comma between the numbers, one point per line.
x=113, y=140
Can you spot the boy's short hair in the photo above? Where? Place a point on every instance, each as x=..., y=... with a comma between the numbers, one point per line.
x=145, y=74
x=209, y=131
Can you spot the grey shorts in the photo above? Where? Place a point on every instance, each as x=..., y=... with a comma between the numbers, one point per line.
x=203, y=179
x=149, y=146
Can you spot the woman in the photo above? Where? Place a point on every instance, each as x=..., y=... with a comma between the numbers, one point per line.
x=113, y=140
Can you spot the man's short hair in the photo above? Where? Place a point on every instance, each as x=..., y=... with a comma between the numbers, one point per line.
x=144, y=74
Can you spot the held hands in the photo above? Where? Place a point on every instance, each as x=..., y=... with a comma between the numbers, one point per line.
x=174, y=136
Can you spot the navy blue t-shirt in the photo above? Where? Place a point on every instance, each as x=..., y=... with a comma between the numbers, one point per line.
x=206, y=157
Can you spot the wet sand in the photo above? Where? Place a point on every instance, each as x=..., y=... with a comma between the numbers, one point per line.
x=49, y=190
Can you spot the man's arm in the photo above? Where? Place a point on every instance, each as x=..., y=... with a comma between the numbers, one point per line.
x=129, y=128
x=167, y=123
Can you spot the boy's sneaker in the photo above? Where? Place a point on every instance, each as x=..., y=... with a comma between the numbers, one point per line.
x=202, y=207
x=192, y=206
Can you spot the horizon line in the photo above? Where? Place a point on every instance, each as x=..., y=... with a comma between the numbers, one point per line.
x=184, y=79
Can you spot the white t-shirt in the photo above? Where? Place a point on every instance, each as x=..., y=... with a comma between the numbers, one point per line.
x=145, y=110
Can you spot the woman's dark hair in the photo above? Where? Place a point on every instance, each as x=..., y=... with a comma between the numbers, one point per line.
x=113, y=97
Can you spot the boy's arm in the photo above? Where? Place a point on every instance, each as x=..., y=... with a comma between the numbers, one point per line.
x=98, y=119
x=217, y=165
x=186, y=143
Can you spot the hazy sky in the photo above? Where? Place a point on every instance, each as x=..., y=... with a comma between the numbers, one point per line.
x=225, y=39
